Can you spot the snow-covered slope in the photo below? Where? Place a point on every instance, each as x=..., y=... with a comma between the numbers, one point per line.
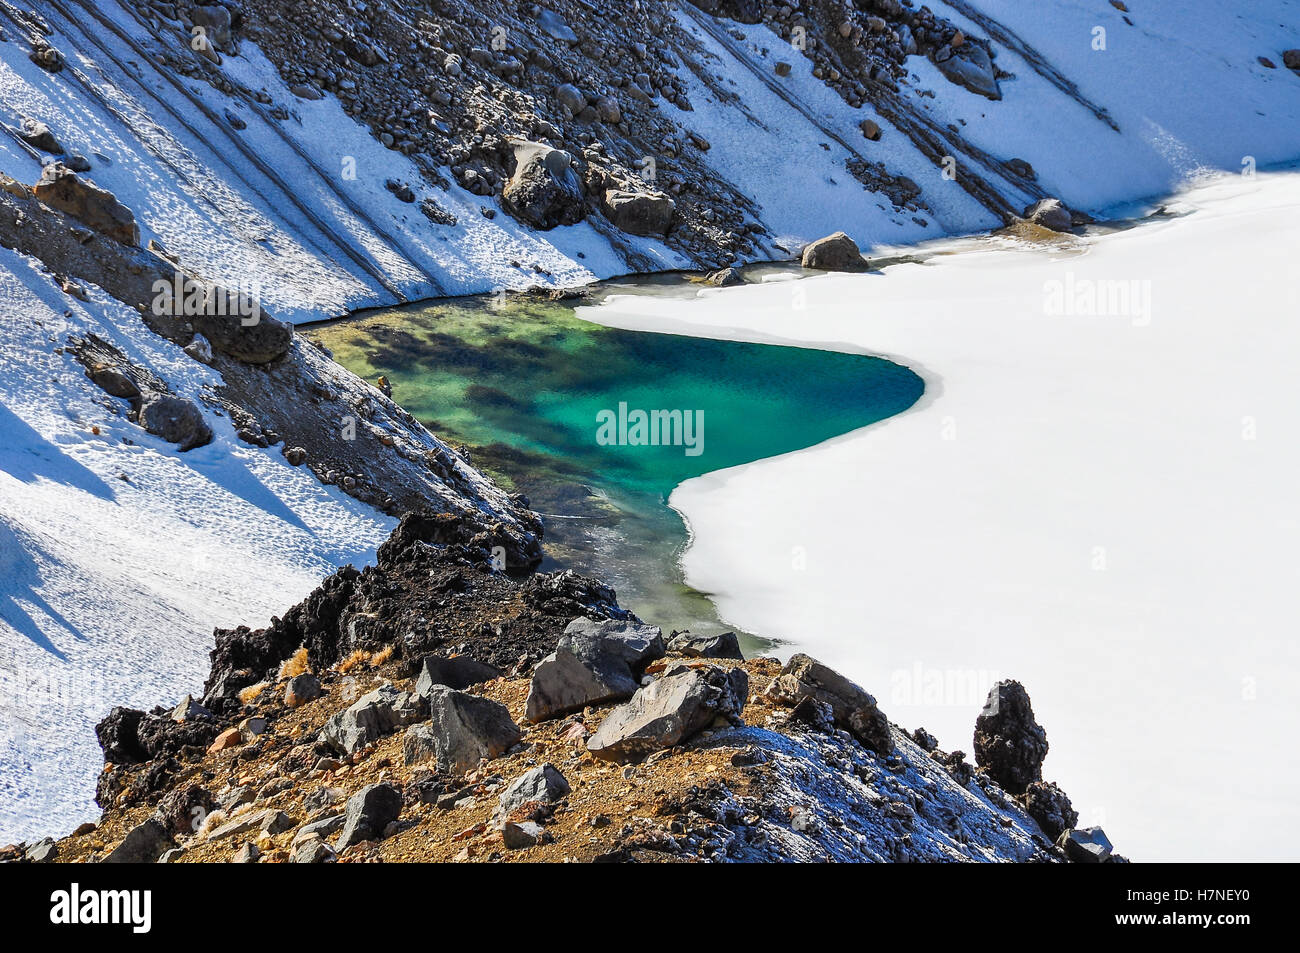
x=1183, y=85
x=118, y=555
x=1097, y=500
x=299, y=209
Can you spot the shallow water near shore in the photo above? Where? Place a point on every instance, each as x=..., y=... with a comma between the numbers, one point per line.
x=525, y=385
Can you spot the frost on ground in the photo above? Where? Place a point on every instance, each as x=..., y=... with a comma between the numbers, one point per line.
x=847, y=806
x=118, y=554
x=1094, y=497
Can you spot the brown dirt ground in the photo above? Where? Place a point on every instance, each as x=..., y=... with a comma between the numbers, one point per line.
x=605, y=799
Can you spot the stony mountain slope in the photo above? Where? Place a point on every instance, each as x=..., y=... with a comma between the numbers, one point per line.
x=337, y=156
x=429, y=709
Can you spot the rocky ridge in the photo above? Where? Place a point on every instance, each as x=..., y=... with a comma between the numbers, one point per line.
x=389, y=717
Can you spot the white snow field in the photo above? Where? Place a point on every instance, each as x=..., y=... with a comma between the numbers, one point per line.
x=1098, y=500
x=110, y=587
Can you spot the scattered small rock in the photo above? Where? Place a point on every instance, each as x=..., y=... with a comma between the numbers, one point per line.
x=1087, y=846
x=301, y=689
x=368, y=812
x=724, y=646
x=1050, y=213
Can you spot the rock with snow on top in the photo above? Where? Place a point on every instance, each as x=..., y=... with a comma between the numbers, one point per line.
x=1050, y=213
x=1087, y=846
x=38, y=135
x=543, y=190
x=200, y=349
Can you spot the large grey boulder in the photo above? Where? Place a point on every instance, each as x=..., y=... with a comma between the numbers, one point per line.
x=459, y=672
x=371, y=717
x=835, y=252
x=969, y=66
x=1087, y=846
x=1009, y=744
x=143, y=845
x=369, y=811
x=686, y=700
x=176, y=419
x=543, y=784
x=1050, y=213
x=231, y=321
x=253, y=339
x=594, y=662
x=544, y=189
x=725, y=645
x=462, y=730
x=60, y=188
x=852, y=708
x=648, y=214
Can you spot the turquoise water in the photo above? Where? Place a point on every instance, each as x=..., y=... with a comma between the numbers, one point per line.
x=525, y=385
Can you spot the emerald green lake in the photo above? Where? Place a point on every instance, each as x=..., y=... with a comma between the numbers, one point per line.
x=524, y=384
